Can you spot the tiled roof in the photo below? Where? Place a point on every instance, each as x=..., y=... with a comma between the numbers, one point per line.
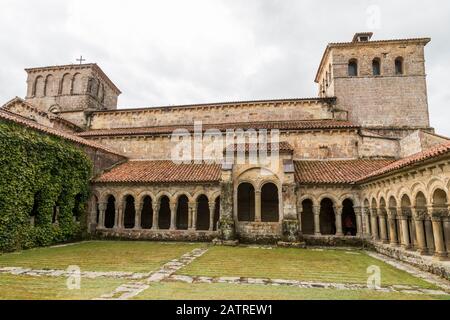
x=282, y=146
x=161, y=171
x=335, y=171
x=9, y=116
x=433, y=152
x=280, y=125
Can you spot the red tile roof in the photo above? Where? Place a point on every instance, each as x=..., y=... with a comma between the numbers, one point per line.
x=280, y=125
x=433, y=152
x=335, y=171
x=161, y=171
x=13, y=117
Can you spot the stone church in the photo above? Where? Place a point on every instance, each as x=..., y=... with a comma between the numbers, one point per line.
x=358, y=163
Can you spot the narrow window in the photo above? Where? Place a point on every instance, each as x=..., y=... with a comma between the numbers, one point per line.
x=399, y=66
x=376, y=70
x=352, y=68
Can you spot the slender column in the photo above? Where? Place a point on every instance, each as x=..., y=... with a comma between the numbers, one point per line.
x=392, y=227
x=212, y=206
x=419, y=216
x=118, y=218
x=137, y=215
x=429, y=235
x=101, y=216
x=316, y=210
x=358, y=215
x=367, y=231
x=173, y=215
x=383, y=231
x=190, y=215
x=194, y=217
x=404, y=225
x=375, y=236
x=299, y=217
x=338, y=220
x=155, y=222
x=257, y=205
x=446, y=226
x=436, y=220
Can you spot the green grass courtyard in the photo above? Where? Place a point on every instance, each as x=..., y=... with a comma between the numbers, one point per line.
x=312, y=265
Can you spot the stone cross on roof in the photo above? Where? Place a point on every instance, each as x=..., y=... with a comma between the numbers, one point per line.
x=81, y=59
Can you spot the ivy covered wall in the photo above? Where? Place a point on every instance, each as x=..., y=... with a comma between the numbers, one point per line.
x=44, y=187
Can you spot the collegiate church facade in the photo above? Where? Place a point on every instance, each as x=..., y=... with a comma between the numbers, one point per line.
x=359, y=162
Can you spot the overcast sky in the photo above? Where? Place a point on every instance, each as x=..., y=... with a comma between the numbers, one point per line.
x=163, y=52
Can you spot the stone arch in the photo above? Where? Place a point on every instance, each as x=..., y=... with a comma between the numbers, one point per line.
x=129, y=212
x=65, y=84
x=327, y=217
x=182, y=218
x=203, y=213
x=307, y=216
x=399, y=65
x=420, y=200
x=161, y=194
x=147, y=213
x=39, y=87
x=77, y=84
x=144, y=194
x=178, y=194
x=329, y=196
x=110, y=213
x=349, y=226
x=164, y=211
x=51, y=88
x=352, y=68
x=355, y=200
x=270, y=203
x=246, y=202
x=439, y=198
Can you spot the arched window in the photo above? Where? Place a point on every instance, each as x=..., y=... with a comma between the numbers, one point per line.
x=348, y=218
x=182, y=213
x=203, y=213
x=39, y=87
x=352, y=68
x=327, y=217
x=246, y=202
x=269, y=203
x=130, y=212
x=376, y=67
x=399, y=66
x=77, y=84
x=164, y=213
x=307, y=217
x=50, y=86
x=66, y=84
x=110, y=213
x=147, y=213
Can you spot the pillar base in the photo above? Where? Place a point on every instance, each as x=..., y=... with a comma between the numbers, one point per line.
x=227, y=229
x=440, y=256
x=340, y=234
x=290, y=229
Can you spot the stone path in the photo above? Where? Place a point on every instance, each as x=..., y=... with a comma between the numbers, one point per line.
x=429, y=277
x=132, y=289
x=303, y=284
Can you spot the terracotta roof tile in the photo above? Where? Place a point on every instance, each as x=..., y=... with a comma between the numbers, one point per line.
x=13, y=117
x=410, y=160
x=161, y=171
x=280, y=125
x=335, y=171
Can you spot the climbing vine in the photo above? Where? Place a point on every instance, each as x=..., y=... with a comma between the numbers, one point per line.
x=44, y=187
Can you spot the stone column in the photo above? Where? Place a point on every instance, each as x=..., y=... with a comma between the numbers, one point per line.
x=257, y=205
x=155, y=222
x=436, y=220
x=101, y=216
x=446, y=226
x=338, y=220
x=316, y=210
x=419, y=215
x=212, y=207
x=137, y=215
x=358, y=214
x=404, y=226
x=194, y=217
x=429, y=235
x=392, y=226
x=226, y=228
x=191, y=210
x=118, y=218
x=299, y=217
x=367, y=231
x=173, y=215
x=373, y=217
x=383, y=231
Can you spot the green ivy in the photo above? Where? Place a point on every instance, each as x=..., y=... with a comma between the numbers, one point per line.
x=37, y=173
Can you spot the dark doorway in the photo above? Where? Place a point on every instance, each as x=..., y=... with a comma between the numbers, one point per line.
x=147, y=213
x=110, y=212
x=269, y=203
x=164, y=213
x=327, y=217
x=202, y=213
x=246, y=202
x=307, y=217
x=348, y=218
x=182, y=213
x=130, y=213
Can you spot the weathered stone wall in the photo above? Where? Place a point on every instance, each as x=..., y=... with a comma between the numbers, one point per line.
x=220, y=113
x=374, y=146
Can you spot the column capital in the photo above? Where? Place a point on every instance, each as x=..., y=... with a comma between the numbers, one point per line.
x=357, y=210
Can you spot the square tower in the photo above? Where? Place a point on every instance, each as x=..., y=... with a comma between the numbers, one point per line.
x=71, y=88
x=381, y=84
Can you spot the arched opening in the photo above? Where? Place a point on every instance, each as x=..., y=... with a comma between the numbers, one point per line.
x=50, y=86
x=110, y=212
x=376, y=67
x=406, y=211
x=164, y=213
x=421, y=206
x=130, y=212
x=147, y=213
x=375, y=220
x=269, y=203
x=77, y=84
x=367, y=217
x=440, y=230
x=307, y=217
x=216, y=212
x=327, y=217
x=182, y=213
x=246, y=202
x=66, y=84
x=353, y=68
x=439, y=199
x=39, y=87
x=202, y=213
x=384, y=225
x=399, y=66
x=348, y=218
x=78, y=208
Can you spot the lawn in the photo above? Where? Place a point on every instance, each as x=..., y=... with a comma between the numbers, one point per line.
x=340, y=266
x=128, y=256
x=52, y=288
x=222, y=291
